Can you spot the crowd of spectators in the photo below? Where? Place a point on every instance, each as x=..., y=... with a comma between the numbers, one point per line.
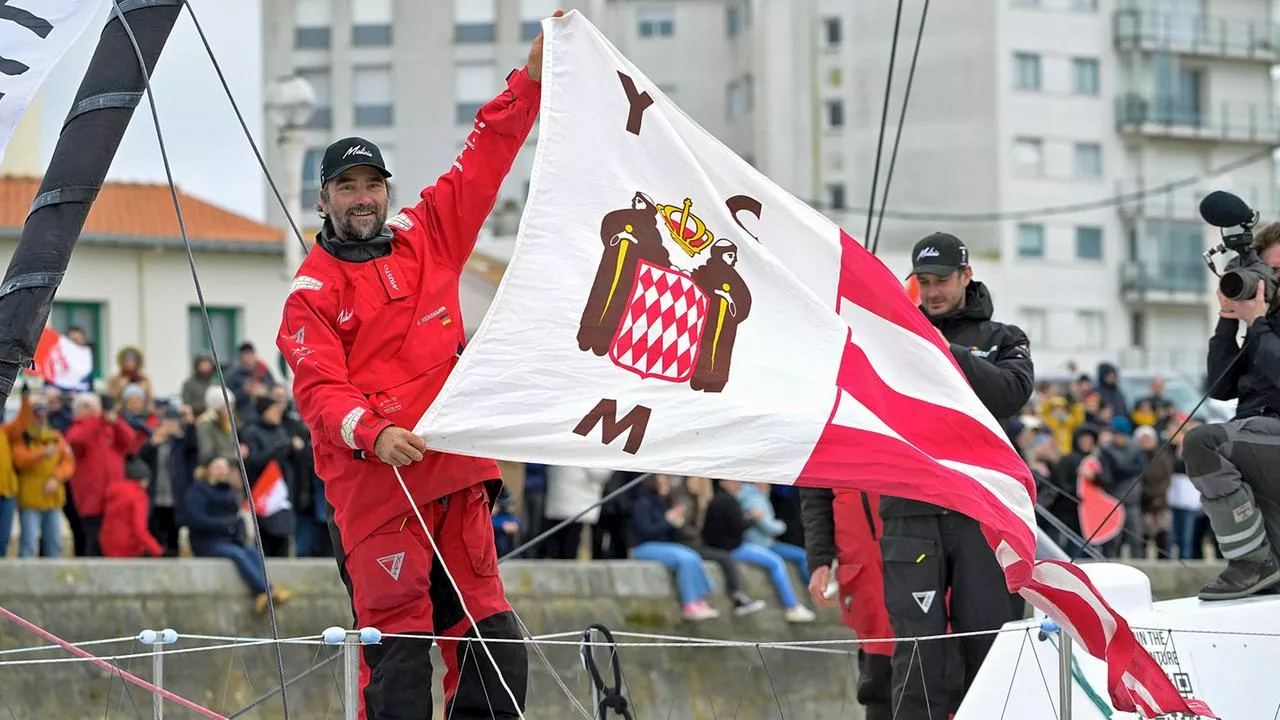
x=131, y=473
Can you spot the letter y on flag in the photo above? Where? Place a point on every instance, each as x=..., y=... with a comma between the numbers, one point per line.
x=670, y=309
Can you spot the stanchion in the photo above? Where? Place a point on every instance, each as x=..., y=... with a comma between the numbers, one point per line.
x=157, y=639
x=1066, y=681
x=351, y=640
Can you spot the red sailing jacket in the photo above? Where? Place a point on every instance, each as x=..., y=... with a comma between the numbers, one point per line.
x=124, y=522
x=371, y=343
x=860, y=573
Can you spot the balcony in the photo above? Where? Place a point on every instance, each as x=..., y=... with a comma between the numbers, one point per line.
x=1198, y=35
x=1186, y=119
x=1185, y=282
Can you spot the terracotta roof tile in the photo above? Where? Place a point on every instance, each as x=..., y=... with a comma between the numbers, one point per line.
x=140, y=210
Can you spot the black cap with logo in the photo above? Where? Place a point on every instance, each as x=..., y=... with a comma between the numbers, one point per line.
x=939, y=254
x=350, y=152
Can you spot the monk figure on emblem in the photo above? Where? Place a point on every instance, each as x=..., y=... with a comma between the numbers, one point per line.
x=729, y=304
x=629, y=236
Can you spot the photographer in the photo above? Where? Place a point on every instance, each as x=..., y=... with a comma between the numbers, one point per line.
x=1231, y=462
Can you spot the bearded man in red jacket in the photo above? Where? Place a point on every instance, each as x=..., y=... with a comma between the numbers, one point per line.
x=372, y=328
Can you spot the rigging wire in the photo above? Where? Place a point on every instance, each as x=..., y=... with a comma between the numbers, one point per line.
x=902, y=119
x=245, y=127
x=884, y=120
x=204, y=310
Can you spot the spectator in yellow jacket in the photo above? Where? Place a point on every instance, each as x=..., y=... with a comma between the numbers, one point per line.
x=1062, y=419
x=44, y=462
x=8, y=493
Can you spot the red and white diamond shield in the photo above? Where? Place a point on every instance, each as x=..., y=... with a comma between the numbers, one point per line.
x=661, y=331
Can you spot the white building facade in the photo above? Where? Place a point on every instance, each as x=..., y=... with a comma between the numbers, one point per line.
x=1015, y=105
x=1041, y=104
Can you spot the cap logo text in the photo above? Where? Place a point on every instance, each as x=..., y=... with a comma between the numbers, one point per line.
x=928, y=253
x=357, y=150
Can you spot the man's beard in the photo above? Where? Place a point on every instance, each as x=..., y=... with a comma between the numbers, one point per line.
x=360, y=229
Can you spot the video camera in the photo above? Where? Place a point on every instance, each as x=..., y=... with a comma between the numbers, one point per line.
x=1240, y=279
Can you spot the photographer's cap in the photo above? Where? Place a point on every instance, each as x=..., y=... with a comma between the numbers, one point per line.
x=939, y=254
x=350, y=152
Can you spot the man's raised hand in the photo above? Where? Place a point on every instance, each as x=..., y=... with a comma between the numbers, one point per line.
x=396, y=446
x=535, y=54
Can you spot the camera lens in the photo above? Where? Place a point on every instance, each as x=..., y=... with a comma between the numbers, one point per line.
x=1231, y=284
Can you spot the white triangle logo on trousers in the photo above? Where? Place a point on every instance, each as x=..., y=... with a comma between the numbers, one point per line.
x=392, y=564
x=924, y=599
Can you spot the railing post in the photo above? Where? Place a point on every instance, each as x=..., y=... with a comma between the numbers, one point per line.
x=351, y=640
x=157, y=640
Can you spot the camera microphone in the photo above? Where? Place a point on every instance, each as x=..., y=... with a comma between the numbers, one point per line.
x=1223, y=210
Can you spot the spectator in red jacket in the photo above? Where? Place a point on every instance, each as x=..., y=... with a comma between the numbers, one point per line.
x=125, y=515
x=101, y=442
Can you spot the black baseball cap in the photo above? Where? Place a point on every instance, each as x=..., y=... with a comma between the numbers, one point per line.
x=939, y=254
x=350, y=152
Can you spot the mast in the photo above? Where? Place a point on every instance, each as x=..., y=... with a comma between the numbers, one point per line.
x=104, y=105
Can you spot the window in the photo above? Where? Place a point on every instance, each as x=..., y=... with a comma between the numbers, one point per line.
x=1028, y=156
x=1085, y=5
x=531, y=14
x=84, y=315
x=1179, y=92
x=372, y=90
x=320, y=80
x=1138, y=330
x=656, y=22
x=733, y=19
x=1089, y=243
x=223, y=321
x=835, y=113
x=736, y=99
x=1035, y=323
x=310, y=178
x=1091, y=328
x=473, y=87
x=1088, y=160
x=311, y=21
x=371, y=23
x=1026, y=71
x=831, y=31
x=835, y=196
x=473, y=21
x=1085, y=72
x=1031, y=240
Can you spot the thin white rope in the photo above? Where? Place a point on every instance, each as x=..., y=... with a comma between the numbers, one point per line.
x=484, y=644
x=85, y=644
x=149, y=653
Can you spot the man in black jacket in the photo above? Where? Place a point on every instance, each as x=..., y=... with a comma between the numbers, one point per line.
x=1234, y=464
x=930, y=551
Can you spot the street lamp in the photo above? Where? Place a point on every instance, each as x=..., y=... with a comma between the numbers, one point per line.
x=290, y=103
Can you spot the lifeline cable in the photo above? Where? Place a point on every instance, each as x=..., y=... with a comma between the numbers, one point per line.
x=884, y=119
x=1167, y=443
x=222, y=381
x=902, y=118
x=611, y=697
x=113, y=669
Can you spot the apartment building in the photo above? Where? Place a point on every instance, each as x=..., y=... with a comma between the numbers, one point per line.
x=773, y=80
x=1046, y=104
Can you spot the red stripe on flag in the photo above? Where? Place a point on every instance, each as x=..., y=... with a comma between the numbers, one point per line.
x=940, y=431
x=862, y=460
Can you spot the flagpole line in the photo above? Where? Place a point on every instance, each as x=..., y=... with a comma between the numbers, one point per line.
x=1167, y=444
x=288, y=215
x=884, y=120
x=204, y=310
x=114, y=669
x=542, y=537
x=902, y=118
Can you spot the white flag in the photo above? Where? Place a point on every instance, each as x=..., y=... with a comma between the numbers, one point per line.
x=34, y=35
x=670, y=309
